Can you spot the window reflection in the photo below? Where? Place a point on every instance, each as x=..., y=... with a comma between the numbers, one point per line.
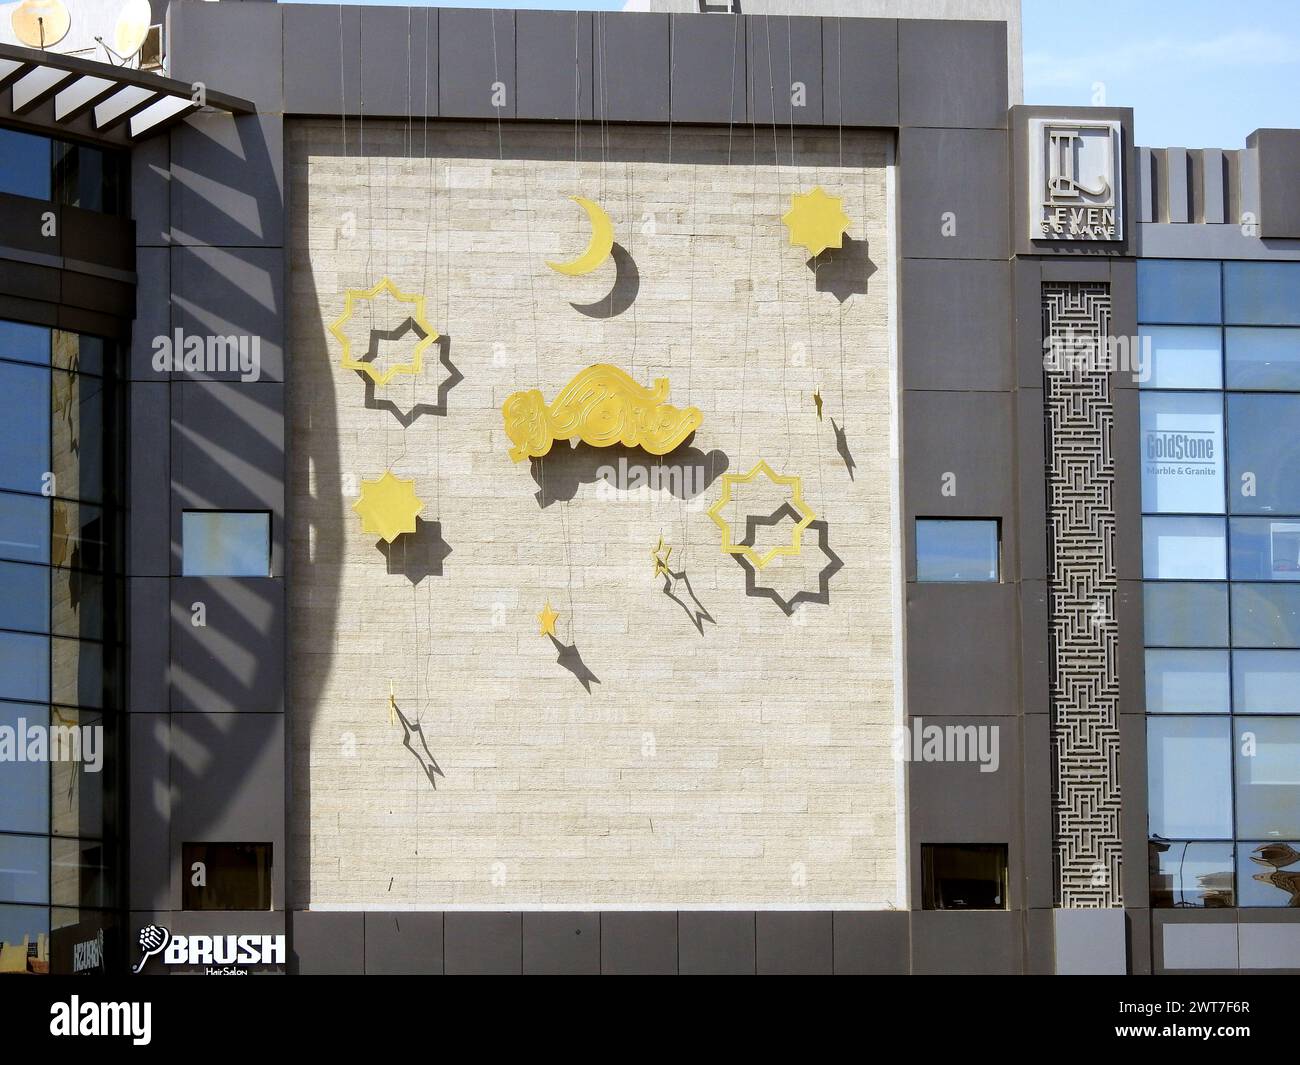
x=1269, y=873
x=1185, y=874
x=962, y=549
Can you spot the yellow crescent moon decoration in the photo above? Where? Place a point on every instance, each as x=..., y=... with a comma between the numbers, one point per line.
x=602, y=241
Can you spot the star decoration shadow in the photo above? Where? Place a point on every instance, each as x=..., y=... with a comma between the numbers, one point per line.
x=661, y=553
x=428, y=335
x=450, y=379
x=816, y=220
x=834, y=564
x=571, y=660
x=418, y=554
x=388, y=506
x=805, y=513
x=413, y=730
x=674, y=582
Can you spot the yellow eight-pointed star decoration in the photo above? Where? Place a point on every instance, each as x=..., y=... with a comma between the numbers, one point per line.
x=547, y=619
x=428, y=334
x=388, y=506
x=805, y=512
x=816, y=220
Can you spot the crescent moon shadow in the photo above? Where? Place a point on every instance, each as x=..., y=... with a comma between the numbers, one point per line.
x=627, y=283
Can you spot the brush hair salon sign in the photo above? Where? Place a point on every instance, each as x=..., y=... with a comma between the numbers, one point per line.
x=1075, y=180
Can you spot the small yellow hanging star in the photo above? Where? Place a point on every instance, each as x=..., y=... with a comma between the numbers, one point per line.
x=388, y=506
x=817, y=399
x=392, y=705
x=546, y=619
x=661, y=555
x=816, y=220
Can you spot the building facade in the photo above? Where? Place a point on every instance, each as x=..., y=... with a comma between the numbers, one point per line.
x=513, y=491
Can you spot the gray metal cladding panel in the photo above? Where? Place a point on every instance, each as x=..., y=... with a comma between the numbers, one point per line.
x=148, y=520
x=476, y=63
x=1277, y=164
x=148, y=644
x=1268, y=941
x=708, y=69
x=232, y=292
x=234, y=661
x=150, y=167
x=952, y=73
x=632, y=60
x=966, y=942
x=961, y=650
x=561, y=943
x=483, y=944
x=150, y=804
x=794, y=943
x=1090, y=942
x=322, y=60
x=970, y=436
x=1200, y=945
x=554, y=64
x=399, y=61
x=860, y=72
x=22, y=225
x=153, y=313
x=227, y=779
x=952, y=798
x=233, y=48
x=326, y=944
x=403, y=943
x=716, y=942
x=227, y=181
x=638, y=943
x=871, y=942
x=785, y=69
x=954, y=192
x=956, y=324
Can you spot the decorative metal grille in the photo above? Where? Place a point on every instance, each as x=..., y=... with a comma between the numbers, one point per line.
x=1083, y=589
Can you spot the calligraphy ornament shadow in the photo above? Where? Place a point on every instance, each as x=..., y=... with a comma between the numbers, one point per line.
x=684, y=473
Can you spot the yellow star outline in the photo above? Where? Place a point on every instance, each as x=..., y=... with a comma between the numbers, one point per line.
x=388, y=506
x=806, y=515
x=350, y=299
x=661, y=557
x=546, y=619
x=816, y=220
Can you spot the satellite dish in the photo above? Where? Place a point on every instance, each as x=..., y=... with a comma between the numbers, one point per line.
x=41, y=23
x=132, y=28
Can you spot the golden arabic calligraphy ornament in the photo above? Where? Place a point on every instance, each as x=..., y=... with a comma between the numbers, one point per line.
x=601, y=406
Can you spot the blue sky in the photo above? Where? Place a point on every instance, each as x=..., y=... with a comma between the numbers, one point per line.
x=1198, y=73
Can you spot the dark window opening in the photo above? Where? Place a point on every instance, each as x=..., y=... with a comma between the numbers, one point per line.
x=963, y=876
x=226, y=876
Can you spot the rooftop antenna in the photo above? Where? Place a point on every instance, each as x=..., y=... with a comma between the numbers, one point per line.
x=41, y=23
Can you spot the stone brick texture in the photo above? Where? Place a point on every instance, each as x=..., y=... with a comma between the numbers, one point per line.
x=749, y=763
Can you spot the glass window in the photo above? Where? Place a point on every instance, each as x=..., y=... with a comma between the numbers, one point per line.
x=24, y=597
x=1182, y=452
x=1265, y=615
x=1268, y=778
x=1185, y=615
x=25, y=343
x=956, y=550
x=1263, y=358
x=24, y=869
x=24, y=528
x=1189, y=774
x=24, y=784
x=25, y=164
x=238, y=876
x=1190, y=874
x=1261, y=293
x=1268, y=874
x=77, y=668
x=24, y=667
x=77, y=352
x=1187, y=682
x=1178, y=292
x=1266, y=682
x=1265, y=549
x=225, y=544
x=77, y=780
x=77, y=603
x=76, y=431
x=1180, y=356
x=1265, y=433
x=77, y=873
x=1184, y=549
x=25, y=427
x=964, y=876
